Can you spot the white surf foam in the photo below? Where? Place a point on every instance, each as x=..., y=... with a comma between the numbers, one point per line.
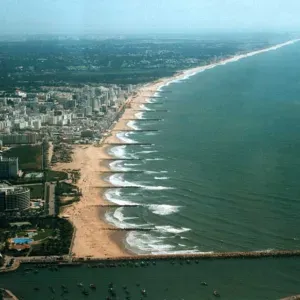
x=157, y=188
x=143, y=106
x=139, y=115
x=141, y=242
x=118, y=151
x=117, y=219
x=161, y=178
x=158, y=158
x=118, y=214
x=146, y=242
x=151, y=133
x=114, y=196
x=117, y=165
x=189, y=73
x=132, y=124
x=148, y=151
x=164, y=209
x=171, y=229
x=131, y=165
x=118, y=180
x=155, y=172
x=152, y=100
x=124, y=137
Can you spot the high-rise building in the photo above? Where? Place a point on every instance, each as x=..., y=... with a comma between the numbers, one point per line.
x=24, y=138
x=14, y=198
x=9, y=167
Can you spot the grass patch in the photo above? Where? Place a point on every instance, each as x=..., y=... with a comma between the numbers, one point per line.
x=42, y=234
x=56, y=175
x=64, y=187
x=30, y=156
x=36, y=191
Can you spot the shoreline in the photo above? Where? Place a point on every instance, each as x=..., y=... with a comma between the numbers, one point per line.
x=90, y=238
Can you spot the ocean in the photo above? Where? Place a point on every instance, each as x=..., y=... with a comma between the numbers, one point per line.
x=221, y=171
x=220, y=174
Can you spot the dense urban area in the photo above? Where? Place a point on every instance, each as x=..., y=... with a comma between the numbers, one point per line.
x=59, y=92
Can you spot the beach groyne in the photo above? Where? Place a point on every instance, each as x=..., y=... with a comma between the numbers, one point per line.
x=143, y=119
x=129, y=144
x=164, y=257
x=209, y=255
x=135, y=130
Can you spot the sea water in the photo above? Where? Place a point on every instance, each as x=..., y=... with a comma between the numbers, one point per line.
x=221, y=174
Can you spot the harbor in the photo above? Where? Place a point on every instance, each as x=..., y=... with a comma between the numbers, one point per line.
x=159, y=278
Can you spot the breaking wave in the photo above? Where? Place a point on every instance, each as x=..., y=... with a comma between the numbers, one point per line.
x=164, y=209
x=124, y=137
x=132, y=124
x=139, y=115
x=161, y=178
x=120, y=152
x=118, y=180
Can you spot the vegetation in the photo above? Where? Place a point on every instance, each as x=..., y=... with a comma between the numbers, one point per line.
x=36, y=191
x=69, y=201
x=55, y=235
x=64, y=188
x=30, y=156
x=58, y=245
x=62, y=153
x=56, y=175
x=31, y=63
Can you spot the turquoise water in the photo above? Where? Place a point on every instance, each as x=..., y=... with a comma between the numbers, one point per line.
x=22, y=240
x=223, y=171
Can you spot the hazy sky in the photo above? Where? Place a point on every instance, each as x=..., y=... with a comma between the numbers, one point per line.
x=134, y=16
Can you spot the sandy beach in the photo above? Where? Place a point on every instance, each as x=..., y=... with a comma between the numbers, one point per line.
x=91, y=237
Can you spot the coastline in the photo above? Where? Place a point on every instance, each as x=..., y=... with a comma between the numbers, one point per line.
x=91, y=239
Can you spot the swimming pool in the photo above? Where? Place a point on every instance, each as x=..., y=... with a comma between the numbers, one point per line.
x=22, y=240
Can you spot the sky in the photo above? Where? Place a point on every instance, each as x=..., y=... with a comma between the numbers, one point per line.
x=146, y=16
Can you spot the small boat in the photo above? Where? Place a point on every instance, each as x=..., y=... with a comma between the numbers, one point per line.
x=85, y=292
x=80, y=284
x=216, y=294
x=92, y=286
x=144, y=292
x=204, y=283
x=112, y=292
x=36, y=271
